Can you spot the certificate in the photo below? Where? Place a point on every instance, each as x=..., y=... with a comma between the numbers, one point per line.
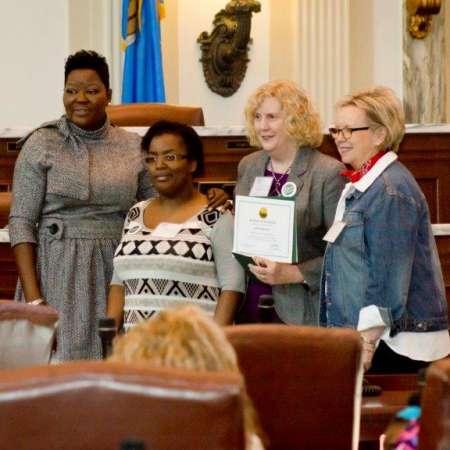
x=265, y=227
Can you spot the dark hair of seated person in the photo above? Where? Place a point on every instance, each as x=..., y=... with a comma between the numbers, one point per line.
x=88, y=59
x=191, y=140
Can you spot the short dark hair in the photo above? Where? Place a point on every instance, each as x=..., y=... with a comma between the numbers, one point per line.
x=187, y=134
x=88, y=59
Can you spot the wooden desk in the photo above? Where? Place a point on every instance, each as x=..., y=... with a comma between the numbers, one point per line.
x=376, y=412
x=8, y=271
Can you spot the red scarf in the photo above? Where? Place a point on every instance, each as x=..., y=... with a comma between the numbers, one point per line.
x=356, y=175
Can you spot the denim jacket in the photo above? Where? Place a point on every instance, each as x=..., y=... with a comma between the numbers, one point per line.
x=385, y=256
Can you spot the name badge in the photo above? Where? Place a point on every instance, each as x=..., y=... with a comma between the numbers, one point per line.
x=167, y=230
x=261, y=187
x=289, y=189
x=334, y=231
x=134, y=227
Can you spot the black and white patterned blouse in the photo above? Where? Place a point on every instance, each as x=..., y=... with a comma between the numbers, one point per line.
x=175, y=264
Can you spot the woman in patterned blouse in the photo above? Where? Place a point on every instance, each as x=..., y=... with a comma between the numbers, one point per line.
x=174, y=249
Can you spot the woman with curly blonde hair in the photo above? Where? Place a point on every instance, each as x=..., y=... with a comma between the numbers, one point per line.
x=186, y=338
x=281, y=121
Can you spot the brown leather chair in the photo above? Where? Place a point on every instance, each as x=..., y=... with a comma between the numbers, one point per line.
x=98, y=405
x=435, y=420
x=305, y=383
x=27, y=333
x=146, y=114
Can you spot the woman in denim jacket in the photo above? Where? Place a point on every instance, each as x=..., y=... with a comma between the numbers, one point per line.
x=381, y=272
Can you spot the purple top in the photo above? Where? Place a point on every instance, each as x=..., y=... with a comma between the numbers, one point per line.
x=249, y=312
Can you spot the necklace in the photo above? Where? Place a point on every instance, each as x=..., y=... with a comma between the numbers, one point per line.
x=278, y=180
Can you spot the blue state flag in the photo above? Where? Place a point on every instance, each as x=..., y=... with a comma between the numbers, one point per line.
x=143, y=79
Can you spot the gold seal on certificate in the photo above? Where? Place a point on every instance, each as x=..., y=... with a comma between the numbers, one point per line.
x=289, y=189
x=265, y=227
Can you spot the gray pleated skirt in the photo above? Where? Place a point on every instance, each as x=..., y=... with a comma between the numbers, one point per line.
x=74, y=275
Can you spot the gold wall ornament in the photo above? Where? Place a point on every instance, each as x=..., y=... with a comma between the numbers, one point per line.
x=420, y=14
x=225, y=50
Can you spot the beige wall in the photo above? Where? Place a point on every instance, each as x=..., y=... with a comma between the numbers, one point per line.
x=95, y=25
x=376, y=50
x=284, y=42
x=82, y=15
x=387, y=44
x=169, y=38
x=33, y=43
x=50, y=30
x=361, y=43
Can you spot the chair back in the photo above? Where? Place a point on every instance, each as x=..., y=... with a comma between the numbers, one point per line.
x=146, y=114
x=305, y=383
x=435, y=418
x=98, y=405
x=27, y=334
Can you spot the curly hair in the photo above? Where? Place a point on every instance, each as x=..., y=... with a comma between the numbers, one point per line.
x=301, y=120
x=183, y=338
x=88, y=59
x=383, y=109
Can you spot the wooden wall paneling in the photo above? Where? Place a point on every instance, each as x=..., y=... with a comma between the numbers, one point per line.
x=430, y=187
x=8, y=156
x=443, y=245
x=222, y=155
x=427, y=156
x=434, y=178
x=8, y=272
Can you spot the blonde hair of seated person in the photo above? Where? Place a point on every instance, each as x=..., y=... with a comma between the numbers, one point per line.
x=189, y=339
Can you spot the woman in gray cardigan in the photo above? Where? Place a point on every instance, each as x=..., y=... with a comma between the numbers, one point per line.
x=282, y=121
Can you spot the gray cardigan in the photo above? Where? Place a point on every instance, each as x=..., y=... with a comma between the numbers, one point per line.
x=319, y=185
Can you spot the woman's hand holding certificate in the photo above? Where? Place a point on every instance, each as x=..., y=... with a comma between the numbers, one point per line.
x=271, y=272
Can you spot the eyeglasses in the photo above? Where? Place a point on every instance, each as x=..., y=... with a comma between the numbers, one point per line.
x=346, y=131
x=167, y=158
